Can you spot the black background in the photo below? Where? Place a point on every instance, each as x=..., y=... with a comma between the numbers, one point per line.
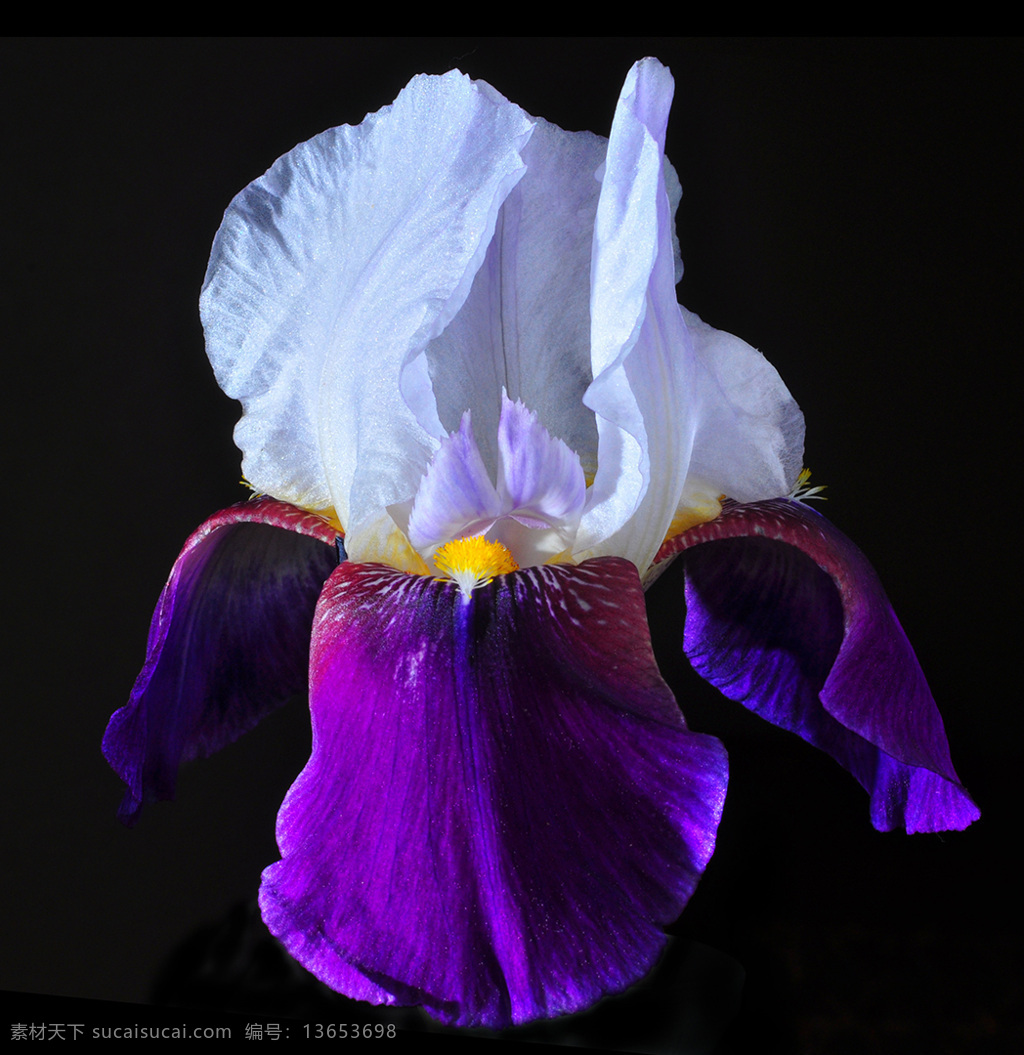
x=851, y=207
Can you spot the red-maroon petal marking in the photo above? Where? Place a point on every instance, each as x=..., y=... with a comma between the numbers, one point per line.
x=812, y=644
x=503, y=807
x=228, y=643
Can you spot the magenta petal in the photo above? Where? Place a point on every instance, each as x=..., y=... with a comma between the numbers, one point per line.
x=228, y=643
x=787, y=616
x=503, y=807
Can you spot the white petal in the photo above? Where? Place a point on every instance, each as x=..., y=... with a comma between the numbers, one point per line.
x=526, y=325
x=750, y=436
x=642, y=358
x=331, y=273
x=681, y=407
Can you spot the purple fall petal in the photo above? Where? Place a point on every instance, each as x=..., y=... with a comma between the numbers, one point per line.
x=228, y=643
x=786, y=615
x=503, y=806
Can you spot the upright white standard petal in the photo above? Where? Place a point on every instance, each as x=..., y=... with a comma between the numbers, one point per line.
x=642, y=359
x=332, y=272
x=525, y=328
x=380, y=282
x=684, y=412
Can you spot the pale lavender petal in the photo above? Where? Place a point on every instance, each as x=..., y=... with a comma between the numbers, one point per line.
x=503, y=807
x=541, y=487
x=787, y=616
x=536, y=471
x=456, y=497
x=229, y=642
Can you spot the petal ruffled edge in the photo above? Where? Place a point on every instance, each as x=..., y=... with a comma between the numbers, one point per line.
x=516, y=808
x=749, y=442
x=228, y=642
x=321, y=267
x=830, y=663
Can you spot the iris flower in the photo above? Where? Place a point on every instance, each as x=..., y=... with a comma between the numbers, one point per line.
x=454, y=333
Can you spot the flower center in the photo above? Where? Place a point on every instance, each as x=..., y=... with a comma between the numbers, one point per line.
x=473, y=562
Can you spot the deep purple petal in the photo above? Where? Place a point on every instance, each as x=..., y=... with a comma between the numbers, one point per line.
x=503, y=806
x=787, y=616
x=228, y=643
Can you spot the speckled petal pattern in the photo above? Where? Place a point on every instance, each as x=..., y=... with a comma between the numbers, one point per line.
x=503, y=807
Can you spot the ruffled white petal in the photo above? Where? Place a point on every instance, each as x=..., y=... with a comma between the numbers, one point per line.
x=749, y=442
x=380, y=282
x=330, y=275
